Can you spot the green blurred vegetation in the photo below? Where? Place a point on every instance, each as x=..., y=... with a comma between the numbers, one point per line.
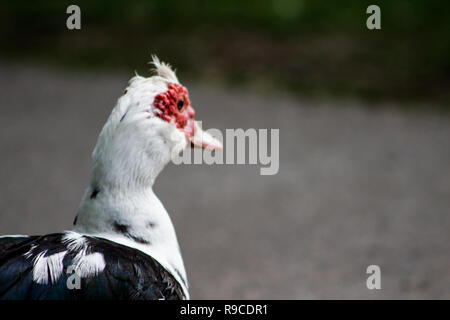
x=304, y=46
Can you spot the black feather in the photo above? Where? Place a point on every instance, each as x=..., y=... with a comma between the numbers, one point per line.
x=129, y=274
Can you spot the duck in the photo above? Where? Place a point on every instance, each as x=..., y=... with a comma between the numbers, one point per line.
x=123, y=244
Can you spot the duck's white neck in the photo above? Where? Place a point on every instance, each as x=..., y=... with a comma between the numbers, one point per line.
x=134, y=217
x=119, y=205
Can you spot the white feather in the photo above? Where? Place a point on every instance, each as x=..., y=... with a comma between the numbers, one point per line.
x=86, y=265
x=89, y=264
x=29, y=253
x=48, y=267
x=163, y=70
x=74, y=241
x=14, y=236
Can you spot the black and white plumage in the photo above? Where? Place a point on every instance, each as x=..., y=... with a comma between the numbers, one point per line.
x=123, y=244
x=36, y=267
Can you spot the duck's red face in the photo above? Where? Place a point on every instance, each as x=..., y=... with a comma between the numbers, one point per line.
x=175, y=107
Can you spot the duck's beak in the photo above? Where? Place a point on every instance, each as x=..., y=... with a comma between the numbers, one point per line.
x=203, y=139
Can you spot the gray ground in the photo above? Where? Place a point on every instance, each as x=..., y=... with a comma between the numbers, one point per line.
x=356, y=187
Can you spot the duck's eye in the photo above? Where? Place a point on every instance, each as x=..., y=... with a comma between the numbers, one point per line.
x=180, y=104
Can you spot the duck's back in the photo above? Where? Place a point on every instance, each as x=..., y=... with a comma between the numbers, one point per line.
x=63, y=266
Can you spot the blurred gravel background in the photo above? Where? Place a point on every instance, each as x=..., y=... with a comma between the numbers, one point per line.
x=357, y=186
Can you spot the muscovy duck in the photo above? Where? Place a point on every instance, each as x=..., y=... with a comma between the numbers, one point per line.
x=123, y=244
